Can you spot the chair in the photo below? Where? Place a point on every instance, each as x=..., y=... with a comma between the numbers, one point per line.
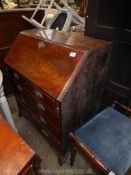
x=105, y=142
x=65, y=15
x=61, y=21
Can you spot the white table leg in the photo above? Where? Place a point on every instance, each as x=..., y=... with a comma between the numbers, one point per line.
x=6, y=110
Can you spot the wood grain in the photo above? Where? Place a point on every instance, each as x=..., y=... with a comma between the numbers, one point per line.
x=15, y=154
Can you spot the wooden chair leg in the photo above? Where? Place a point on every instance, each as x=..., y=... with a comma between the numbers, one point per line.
x=73, y=154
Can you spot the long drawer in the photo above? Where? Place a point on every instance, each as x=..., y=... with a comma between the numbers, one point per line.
x=48, y=101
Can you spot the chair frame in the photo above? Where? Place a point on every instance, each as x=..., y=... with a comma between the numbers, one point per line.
x=89, y=157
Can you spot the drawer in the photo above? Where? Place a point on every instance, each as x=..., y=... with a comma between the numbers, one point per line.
x=14, y=75
x=43, y=114
x=48, y=120
x=45, y=99
x=48, y=127
x=50, y=130
x=52, y=141
x=49, y=102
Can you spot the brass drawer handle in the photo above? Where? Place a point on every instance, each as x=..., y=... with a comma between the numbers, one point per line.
x=16, y=76
x=19, y=88
x=57, y=109
x=43, y=120
x=44, y=132
x=41, y=107
x=38, y=94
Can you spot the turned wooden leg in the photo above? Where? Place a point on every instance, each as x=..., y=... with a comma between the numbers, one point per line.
x=73, y=154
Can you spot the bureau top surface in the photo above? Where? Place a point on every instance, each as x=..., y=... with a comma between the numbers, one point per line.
x=49, y=65
x=15, y=154
x=74, y=40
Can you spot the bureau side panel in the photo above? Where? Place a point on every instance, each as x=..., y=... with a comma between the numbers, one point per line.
x=81, y=99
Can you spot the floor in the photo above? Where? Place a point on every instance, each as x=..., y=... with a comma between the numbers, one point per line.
x=49, y=163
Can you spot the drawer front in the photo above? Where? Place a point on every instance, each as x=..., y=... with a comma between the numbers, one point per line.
x=52, y=140
x=49, y=102
x=50, y=130
x=14, y=75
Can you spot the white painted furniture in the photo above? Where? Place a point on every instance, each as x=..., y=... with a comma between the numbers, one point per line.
x=4, y=105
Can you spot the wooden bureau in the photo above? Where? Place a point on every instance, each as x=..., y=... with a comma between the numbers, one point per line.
x=58, y=79
x=16, y=157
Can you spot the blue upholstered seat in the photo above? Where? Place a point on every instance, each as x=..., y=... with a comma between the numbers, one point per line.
x=108, y=137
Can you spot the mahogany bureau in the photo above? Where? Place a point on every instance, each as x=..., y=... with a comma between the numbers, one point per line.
x=16, y=157
x=58, y=78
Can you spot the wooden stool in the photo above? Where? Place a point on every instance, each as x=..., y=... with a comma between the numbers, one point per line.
x=16, y=157
x=105, y=142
